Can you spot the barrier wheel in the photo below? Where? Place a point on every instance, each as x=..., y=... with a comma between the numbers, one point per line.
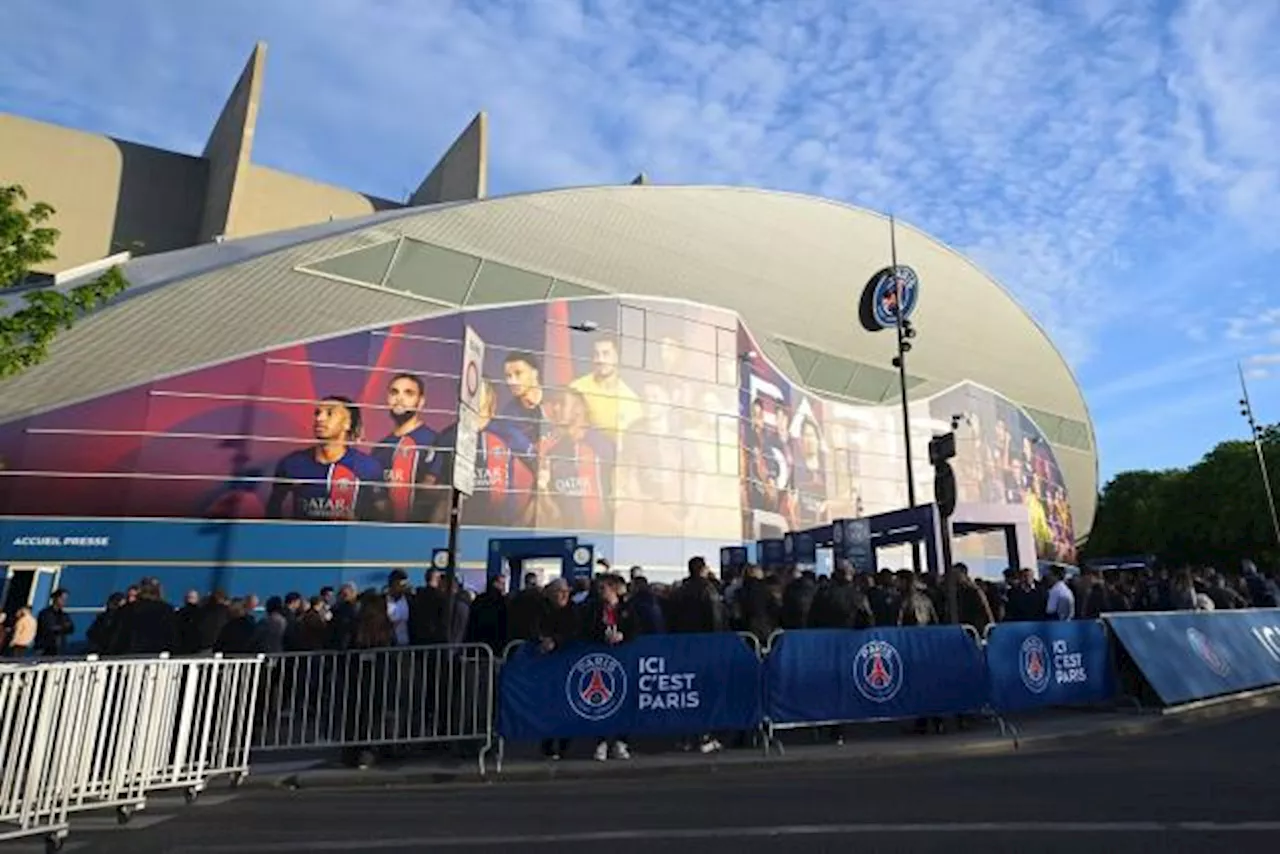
x=190, y=796
x=237, y=781
x=124, y=815
x=53, y=844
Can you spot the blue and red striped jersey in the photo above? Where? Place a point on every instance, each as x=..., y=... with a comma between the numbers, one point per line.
x=405, y=461
x=344, y=490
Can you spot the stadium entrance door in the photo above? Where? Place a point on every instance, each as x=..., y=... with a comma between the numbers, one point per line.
x=508, y=555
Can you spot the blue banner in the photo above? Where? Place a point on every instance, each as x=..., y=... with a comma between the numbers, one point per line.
x=657, y=685
x=1032, y=665
x=819, y=675
x=1191, y=655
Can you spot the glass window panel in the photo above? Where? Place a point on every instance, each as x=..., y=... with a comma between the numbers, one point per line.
x=433, y=272
x=498, y=283
x=632, y=322
x=362, y=265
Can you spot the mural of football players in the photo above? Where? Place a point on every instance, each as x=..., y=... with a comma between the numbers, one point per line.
x=783, y=452
x=649, y=469
x=526, y=410
x=759, y=466
x=611, y=404
x=575, y=470
x=406, y=456
x=330, y=480
x=503, y=493
x=809, y=477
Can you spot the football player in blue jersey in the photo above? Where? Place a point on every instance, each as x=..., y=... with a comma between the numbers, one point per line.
x=331, y=480
x=406, y=456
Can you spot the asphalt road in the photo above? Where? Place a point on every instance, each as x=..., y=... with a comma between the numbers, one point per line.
x=1210, y=787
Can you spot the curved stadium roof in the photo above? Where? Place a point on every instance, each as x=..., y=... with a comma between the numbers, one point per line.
x=791, y=265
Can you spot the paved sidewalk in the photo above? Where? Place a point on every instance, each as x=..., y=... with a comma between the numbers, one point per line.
x=865, y=744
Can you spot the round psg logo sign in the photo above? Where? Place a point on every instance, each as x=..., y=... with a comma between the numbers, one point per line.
x=878, y=307
x=1033, y=665
x=596, y=687
x=1208, y=653
x=877, y=671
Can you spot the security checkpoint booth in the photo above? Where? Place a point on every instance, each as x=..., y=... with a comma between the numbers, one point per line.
x=509, y=556
x=859, y=540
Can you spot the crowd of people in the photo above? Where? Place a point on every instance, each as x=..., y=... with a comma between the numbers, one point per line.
x=611, y=609
x=759, y=601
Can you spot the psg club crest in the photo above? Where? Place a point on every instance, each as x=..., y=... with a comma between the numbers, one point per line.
x=596, y=687
x=878, y=307
x=877, y=671
x=1033, y=665
x=1208, y=653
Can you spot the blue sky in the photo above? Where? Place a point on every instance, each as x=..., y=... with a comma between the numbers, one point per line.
x=1113, y=162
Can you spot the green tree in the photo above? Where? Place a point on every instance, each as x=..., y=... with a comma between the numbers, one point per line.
x=1214, y=512
x=29, y=325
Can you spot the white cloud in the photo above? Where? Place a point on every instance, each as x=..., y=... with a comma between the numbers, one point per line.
x=1224, y=74
x=1264, y=359
x=1257, y=373
x=1042, y=139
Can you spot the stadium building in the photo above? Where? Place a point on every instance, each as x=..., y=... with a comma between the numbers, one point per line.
x=667, y=370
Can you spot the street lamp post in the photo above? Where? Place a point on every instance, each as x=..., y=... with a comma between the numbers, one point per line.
x=1246, y=409
x=905, y=332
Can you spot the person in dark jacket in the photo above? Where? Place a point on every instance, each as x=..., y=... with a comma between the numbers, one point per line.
x=1027, y=602
x=886, y=601
x=187, y=616
x=426, y=611
x=488, y=619
x=237, y=636
x=149, y=625
x=646, y=607
x=54, y=626
x=971, y=602
x=103, y=628
x=214, y=615
x=1223, y=597
x=797, y=601
x=840, y=604
x=760, y=601
x=607, y=620
x=696, y=607
x=343, y=624
x=525, y=610
x=558, y=626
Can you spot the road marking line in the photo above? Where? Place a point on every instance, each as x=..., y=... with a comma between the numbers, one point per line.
x=645, y=834
x=140, y=821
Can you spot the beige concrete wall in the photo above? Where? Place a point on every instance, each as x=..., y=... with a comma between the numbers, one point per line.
x=109, y=195
x=270, y=200
x=463, y=172
x=229, y=148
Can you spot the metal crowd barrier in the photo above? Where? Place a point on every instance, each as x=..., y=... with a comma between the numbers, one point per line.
x=771, y=729
x=92, y=735
x=361, y=699
x=39, y=707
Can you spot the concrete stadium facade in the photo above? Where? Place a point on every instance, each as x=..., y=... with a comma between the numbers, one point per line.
x=691, y=358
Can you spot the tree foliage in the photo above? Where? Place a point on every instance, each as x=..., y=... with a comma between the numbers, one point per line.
x=1213, y=513
x=30, y=322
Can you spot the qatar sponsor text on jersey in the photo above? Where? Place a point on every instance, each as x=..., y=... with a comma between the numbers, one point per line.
x=580, y=472
x=342, y=490
x=405, y=461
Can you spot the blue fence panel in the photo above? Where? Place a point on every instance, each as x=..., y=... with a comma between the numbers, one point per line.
x=821, y=675
x=657, y=685
x=1032, y=665
x=1192, y=655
